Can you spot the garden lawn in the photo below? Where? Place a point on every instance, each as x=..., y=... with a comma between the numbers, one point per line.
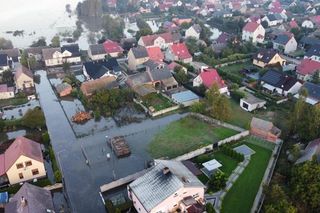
x=13, y=101
x=239, y=117
x=157, y=101
x=236, y=68
x=242, y=194
x=186, y=135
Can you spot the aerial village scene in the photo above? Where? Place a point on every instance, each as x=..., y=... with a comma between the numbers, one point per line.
x=159, y=106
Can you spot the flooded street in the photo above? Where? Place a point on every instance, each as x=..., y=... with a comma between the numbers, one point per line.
x=82, y=181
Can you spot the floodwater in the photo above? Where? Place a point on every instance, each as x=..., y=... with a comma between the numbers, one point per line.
x=37, y=18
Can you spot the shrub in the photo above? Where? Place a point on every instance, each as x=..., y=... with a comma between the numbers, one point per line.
x=218, y=181
x=58, y=176
x=45, y=138
x=209, y=208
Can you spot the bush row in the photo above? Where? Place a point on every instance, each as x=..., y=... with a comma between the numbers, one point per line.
x=231, y=153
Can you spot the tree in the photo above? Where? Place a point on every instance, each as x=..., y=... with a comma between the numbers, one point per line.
x=55, y=41
x=218, y=181
x=66, y=66
x=5, y=44
x=199, y=107
x=316, y=77
x=305, y=184
x=112, y=27
x=219, y=104
x=29, y=62
x=180, y=75
x=209, y=208
x=39, y=43
x=34, y=118
x=7, y=77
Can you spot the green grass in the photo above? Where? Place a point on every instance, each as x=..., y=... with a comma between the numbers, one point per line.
x=13, y=101
x=186, y=135
x=242, y=194
x=235, y=68
x=203, y=178
x=157, y=101
x=239, y=117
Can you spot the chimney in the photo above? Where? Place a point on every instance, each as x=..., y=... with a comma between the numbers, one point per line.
x=165, y=170
x=23, y=202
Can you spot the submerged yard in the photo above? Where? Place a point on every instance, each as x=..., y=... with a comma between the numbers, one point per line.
x=186, y=135
x=242, y=194
x=157, y=101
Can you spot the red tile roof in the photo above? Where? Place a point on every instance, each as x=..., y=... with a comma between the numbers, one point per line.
x=210, y=77
x=22, y=146
x=308, y=67
x=316, y=19
x=2, y=165
x=148, y=40
x=181, y=51
x=293, y=24
x=112, y=47
x=155, y=53
x=251, y=26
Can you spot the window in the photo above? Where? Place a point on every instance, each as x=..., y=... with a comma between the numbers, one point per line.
x=20, y=175
x=28, y=163
x=35, y=172
x=19, y=165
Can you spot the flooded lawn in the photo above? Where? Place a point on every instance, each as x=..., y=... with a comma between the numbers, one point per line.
x=18, y=111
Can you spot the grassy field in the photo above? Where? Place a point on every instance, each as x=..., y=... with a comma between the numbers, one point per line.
x=13, y=102
x=186, y=135
x=157, y=101
x=235, y=68
x=242, y=194
x=239, y=117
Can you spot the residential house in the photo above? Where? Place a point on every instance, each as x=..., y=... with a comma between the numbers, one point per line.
x=169, y=26
x=112, y=48
x=268, y=57
x=313, y=92
x=280, y=83
x=250, y=102
x=137, y=56
x=155, y=53
x=273, y=19
x=88, y=88
x=93, y=70
x=58, y=56
x=30, y=198
x=4, y=62
x=312, y=151
x=193, y=31
x=97, y=52
x=264, y=130
x=178, y=52
x=253, y=32
x=285, y=42
x=253, y=18
x=13, y=54
x=22, y=161
x=157, y=76
x=6, y=92
x=221, y=42
x=183, y=191
x=306, y=69
x=64, y=89
x=199, y=66
x=208, y=78
x=313, y=53
x=173, y=65
x=128, y=43
x=23, y=78
x=179, y=21
x=35, y=52
x=159, y=40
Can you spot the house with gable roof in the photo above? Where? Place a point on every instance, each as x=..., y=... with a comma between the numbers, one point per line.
x=6, y=92
x=264, y=130
x=183, y=191
x=208, y=77
x=4, y=62
x=306, y=69
x=155, y=53
x=313, y=93
x=178, y=52
x=267, y=57
x=253, y=32
x=285, y=42
x=137, y=56
x=159, y=40
x=23, y=78
x=311, y=151
x=313, y=53
x=97, y=52
x=193, y=31
x=22, y=161
x=57, y=56
x=112, y=48
x=30, y=199
x=273, y=19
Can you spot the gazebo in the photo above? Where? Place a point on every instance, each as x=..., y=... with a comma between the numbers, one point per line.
x=210, y=167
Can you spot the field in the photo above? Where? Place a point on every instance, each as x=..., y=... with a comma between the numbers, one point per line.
x=157, y=101
x=242, y=194
x=13, y=102
x=184, y=136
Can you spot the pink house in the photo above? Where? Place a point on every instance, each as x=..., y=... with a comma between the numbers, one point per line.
x=168, y=187
x=208, y=78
